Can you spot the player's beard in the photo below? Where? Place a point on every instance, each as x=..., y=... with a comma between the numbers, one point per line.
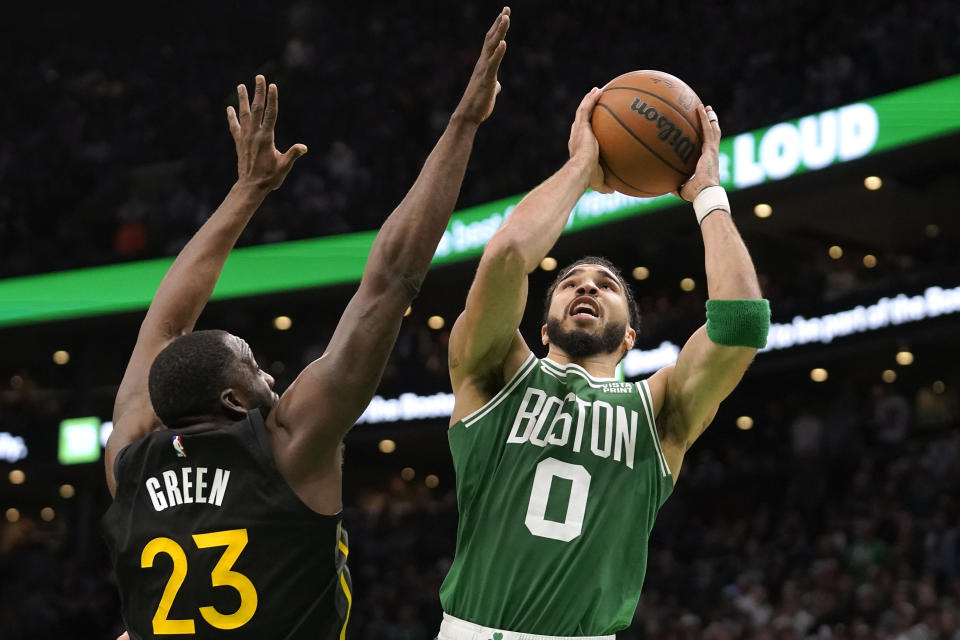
x=578, y=343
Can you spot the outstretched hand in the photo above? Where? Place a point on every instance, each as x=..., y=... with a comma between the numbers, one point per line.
x=258, y=160
x=583, y=143
x=477, y=102
x=707, y=173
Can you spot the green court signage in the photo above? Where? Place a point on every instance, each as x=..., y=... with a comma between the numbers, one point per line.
x=79, y=440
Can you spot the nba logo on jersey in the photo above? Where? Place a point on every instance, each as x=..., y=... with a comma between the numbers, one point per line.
x=178, y=447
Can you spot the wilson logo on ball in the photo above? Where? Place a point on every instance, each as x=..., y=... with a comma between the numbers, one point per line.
x=648, y=128
x=668, y=131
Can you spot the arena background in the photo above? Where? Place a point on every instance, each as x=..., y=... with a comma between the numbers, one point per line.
x=834, y=515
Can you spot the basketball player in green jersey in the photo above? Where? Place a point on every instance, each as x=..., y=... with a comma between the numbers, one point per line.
x=226, y=519
x=560, y=467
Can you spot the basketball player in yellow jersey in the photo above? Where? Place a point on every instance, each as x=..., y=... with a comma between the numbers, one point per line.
x=560, y=467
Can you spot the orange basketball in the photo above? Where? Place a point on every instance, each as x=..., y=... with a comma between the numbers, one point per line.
x=649, y=132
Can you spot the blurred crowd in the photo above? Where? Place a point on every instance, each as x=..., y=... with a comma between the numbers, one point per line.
x=836, y=516
x=115, y=145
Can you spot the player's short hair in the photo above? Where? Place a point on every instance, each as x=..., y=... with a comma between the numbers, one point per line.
x=632, y=307
x=186, y=378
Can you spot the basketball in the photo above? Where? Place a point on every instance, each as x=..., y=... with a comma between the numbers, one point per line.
x=649, y=133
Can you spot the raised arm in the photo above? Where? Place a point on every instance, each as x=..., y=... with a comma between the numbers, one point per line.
x=714, y=359
x=187, y=286
x=485, y=345
x=325, y=401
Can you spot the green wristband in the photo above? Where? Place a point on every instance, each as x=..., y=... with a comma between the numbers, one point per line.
x=738, y=323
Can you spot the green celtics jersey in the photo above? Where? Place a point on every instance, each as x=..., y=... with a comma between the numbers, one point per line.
x=559, y=479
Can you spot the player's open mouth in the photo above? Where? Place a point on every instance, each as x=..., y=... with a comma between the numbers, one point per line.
x=585, y=306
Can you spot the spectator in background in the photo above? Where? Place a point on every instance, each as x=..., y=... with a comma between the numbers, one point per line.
x=891, y=419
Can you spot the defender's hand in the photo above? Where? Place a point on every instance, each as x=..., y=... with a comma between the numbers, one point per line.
x=707, y=173
x=583, y=143
x=477, y=102
x=258, y=161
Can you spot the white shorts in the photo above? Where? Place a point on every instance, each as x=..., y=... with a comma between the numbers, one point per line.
x=456, y=629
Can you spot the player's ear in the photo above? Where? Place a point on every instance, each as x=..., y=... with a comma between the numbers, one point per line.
x=629, y=338
x=231, y=402
x=543, y=335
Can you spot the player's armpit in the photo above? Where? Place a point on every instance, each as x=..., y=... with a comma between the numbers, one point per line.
x=134, y=423
x=472, y=392
x=705, y=374
x=133, y=415
x=324, y=402
x=486, y=332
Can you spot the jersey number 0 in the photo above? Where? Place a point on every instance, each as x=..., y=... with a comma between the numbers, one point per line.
x=572, y=524
x=234, y=540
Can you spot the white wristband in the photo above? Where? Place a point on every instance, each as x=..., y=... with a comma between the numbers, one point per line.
x=710, y=199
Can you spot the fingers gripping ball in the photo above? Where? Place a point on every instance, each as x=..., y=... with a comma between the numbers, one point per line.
x=649, y=133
